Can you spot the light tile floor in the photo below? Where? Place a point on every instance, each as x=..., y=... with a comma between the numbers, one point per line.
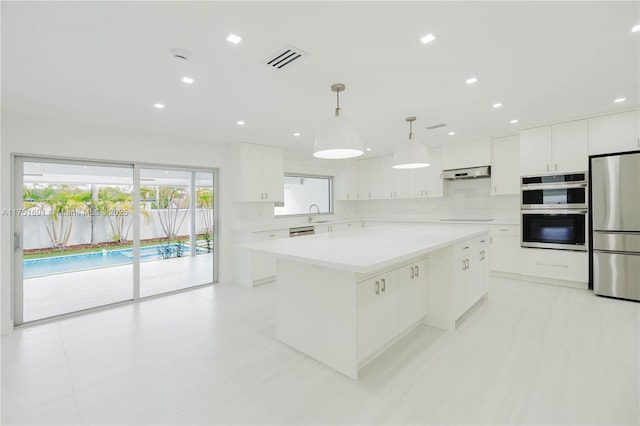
x=530, y=354
x=58, y=294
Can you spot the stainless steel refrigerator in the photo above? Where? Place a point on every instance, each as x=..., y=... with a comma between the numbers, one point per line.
x=615, y=217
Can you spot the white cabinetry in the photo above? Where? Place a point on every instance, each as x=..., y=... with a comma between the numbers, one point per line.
x=505, y=249
x=253, y=268
x=368, y=179
x=345, y=183
x=427, y=181
x=388, y=304
x=505, y=170
x=470, y=277
x=333, y=227
x=259, y=173
x=558, y=148
x=394, y=183
x=472, y=153
x=614, y=133
x=556, y=265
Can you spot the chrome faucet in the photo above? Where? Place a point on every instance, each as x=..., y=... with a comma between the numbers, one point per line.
x=310, y=207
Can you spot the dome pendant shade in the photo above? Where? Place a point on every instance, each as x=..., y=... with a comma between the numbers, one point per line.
x=411, y=154
x=338, y=138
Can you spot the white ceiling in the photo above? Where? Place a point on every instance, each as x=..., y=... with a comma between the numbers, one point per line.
x=109, y=62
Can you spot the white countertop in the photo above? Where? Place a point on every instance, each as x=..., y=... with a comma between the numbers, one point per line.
x=368, y=249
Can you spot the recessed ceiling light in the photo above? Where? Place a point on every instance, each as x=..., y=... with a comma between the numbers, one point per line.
x=514, y=121
x=159, y=106
x=234, y=38
x=452, y=133
x=367, y=149
x=240, y=122
x=427, y=38
x=635, y=29
x=497, y=105
x=472, y=80
x=617, y=101
x=187, y=80
x=296, y=134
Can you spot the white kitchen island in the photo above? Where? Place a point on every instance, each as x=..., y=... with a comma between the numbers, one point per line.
x=344, y=297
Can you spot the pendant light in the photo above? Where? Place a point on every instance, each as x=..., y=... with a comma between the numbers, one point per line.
x=411, y=154
x=338, y=138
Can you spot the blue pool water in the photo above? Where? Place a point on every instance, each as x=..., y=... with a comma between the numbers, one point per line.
x=77, y=262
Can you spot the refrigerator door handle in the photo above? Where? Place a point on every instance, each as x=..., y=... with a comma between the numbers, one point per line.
x=623, y=253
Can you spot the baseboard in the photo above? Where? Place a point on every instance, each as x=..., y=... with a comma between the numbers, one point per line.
x=541, y=280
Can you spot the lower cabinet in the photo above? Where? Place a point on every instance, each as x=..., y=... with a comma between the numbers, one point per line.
x=505, y=249
x=471, y=274
x=390, y=303
x=256, y=268
x=556, y=264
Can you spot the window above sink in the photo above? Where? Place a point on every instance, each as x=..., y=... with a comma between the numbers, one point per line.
x=306, y=194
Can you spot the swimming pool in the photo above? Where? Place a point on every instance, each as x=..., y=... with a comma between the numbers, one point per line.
x=78, y=262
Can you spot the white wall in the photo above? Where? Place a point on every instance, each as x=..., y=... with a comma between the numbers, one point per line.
x=34, y=135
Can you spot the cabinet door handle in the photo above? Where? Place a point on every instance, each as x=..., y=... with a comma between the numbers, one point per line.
x=262, y=195
x=465, y=248
x=464, y=264
x=377, y=287
x=466, y=261
x=556, y=167
x=416, y=270
x=413, y=274
x=547, y=167
x=504, y=230
x=426, y=192
x=266, y=195
x=384, y=285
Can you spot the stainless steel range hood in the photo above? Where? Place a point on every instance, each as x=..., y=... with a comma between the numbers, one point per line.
x=467, y=173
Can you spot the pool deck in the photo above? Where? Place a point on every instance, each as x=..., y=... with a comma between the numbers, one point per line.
x=74, y=291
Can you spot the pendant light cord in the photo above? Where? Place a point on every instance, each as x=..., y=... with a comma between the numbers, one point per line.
x=410, y=130
x=337, y=103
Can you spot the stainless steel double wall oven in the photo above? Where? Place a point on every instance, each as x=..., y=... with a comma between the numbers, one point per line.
x=554, y=211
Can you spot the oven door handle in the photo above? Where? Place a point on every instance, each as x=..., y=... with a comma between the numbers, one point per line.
x=554, y=212
x=560, y=185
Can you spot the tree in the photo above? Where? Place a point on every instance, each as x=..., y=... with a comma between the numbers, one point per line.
x=168, y=202
x=116, y=204
x=204, y=200
x=58, y=205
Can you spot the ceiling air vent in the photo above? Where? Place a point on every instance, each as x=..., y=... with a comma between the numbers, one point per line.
x=285, y=56
x=435, y=126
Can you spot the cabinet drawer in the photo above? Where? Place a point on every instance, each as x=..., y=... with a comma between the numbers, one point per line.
x=505, y=230
x=270, y=235
x=556, y=264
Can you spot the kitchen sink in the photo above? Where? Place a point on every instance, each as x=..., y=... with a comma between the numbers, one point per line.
x=321, y=221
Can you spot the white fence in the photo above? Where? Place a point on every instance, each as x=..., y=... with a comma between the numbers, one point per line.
x=35, y=232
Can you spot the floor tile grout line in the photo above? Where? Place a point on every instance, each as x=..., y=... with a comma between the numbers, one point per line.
x=66, y=360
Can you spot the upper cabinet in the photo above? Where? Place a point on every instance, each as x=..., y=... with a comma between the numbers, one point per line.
x=558, y=148
x=614, y=133
x=368, y=179
x=472, y=153
x=427, y=181
x=394, y=183
x=259, y=173
x=345, y=184
x=505, y=169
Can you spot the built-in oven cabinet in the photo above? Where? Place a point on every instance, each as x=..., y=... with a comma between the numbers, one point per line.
x=556, y=264
x=614, y=133
x=559, y=148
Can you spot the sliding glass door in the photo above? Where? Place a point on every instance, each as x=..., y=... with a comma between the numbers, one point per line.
x=176, y=230
x=94, y=234
x=76, y=221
